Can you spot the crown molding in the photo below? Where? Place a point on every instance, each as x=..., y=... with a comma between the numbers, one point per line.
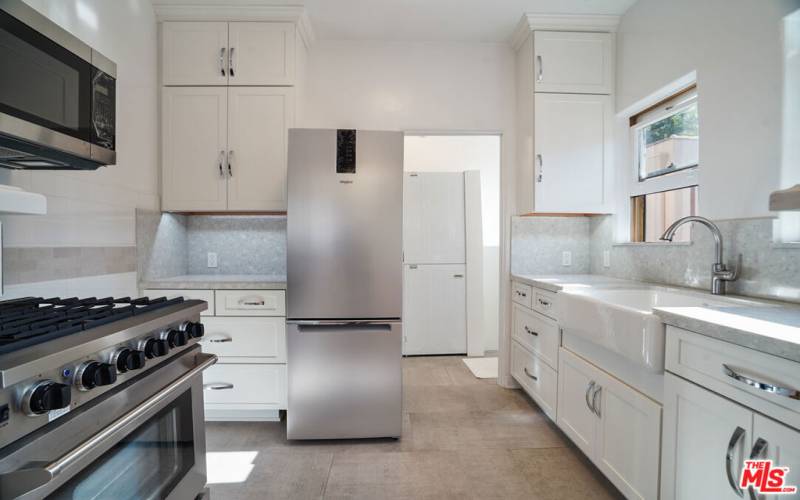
x=284, y=13
x=562, y=22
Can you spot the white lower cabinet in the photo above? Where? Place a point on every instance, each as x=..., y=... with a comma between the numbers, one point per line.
x=617, y=427
x=703, y=429
x=245, y=387
x=262, y=339
x=536, y=377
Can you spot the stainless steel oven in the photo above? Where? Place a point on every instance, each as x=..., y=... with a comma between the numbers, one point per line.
x=144, y=440
x=57, y=95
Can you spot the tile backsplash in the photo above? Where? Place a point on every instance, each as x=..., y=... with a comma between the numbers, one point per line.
x=174, y=245
x=538, y=243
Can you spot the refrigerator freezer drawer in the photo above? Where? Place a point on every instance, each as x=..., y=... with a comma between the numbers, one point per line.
x=345, y=381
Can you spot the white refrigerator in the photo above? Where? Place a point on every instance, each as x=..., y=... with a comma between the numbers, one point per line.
x=434, y=264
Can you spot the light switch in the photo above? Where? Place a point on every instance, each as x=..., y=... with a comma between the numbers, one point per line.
x=606, y=258
x=566, y=258
x=212, y=259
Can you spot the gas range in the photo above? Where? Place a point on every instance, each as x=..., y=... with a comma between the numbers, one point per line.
x=59, y=355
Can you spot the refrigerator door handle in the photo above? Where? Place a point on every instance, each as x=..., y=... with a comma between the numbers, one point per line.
x=335, y=322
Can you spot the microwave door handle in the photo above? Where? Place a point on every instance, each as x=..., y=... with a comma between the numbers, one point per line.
x=25, y=481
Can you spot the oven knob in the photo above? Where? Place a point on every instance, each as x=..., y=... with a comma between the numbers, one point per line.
x=195, y=330
x=175, y=338
x=128, y=359
x=45, y=396
x=94, y=374
x=154, y=348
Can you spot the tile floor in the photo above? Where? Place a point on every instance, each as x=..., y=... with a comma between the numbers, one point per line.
x=463, y=438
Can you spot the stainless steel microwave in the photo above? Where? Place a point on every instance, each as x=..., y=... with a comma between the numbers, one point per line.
x=57, y=96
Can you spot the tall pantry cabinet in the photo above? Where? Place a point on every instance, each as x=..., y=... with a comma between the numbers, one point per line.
x=565, y=83
x=227, y=104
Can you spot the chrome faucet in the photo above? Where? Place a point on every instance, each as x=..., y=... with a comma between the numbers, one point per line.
x=720, y=273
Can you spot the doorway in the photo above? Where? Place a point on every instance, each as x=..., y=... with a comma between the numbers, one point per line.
x=444, y=152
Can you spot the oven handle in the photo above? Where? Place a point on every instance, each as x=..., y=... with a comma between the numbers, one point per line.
x=24, y=481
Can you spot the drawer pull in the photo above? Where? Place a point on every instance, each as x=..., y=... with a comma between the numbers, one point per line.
x=219, y=340
x=528, y=330
x=595, y=408
x=534, y=377
x=758, y=451
x=521, y=294
x=224, y=386
x=544, y=303
x=252, y=301
x=762, y=386
x=737, y=436
x=586, y=396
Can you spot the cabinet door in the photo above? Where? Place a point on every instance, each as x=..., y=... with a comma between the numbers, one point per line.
x=194, y=130
x=434, y=309
x=433, y=218
x=569, y=178
x=261, y=53
x=580, y=63
x=576, y=380
x=700, y=430
x=629, y=438
x=779, y=443
x=194, y=53
x=259, y=120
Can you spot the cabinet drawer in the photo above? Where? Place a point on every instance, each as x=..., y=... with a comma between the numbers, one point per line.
x=537, y=333
x=536, y=377
x=250, y=303
x=246, y=338
x=544, y=302
x=703, y=360
x=243, y=384
x=521, y=293
x=207, y=295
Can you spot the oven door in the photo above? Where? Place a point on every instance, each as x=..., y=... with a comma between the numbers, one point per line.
x=151, y=449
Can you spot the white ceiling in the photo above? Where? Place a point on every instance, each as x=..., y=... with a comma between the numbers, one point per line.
x=426, y=20
x=439, y=20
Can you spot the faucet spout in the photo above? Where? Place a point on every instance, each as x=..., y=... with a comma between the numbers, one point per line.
x=720, y=274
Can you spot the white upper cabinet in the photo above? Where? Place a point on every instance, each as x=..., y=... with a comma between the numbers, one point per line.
x=258, y=123
x=569, y=62
x=571, y=150
x=195, y=134
x=261, y=53
x=227, y=53
x=194, y=53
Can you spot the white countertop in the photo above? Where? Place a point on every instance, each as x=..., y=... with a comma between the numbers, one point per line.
x=218, y=282
x=772, y=329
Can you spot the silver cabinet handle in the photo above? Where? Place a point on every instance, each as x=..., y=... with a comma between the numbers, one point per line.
x=595, y=408
x=221, y=386
x=586, y=396
x=762, y=386
x=737, y=436
x=541, y=168
x=458, y=276
x=541, y=69
x=230, y=62
x=25, y=481
x=230, y=160
x=220, y=340
x=221, y=161
x=252, y=301
x=758, y=451
x=222, y=61
x=531, y=332
x=534, y=377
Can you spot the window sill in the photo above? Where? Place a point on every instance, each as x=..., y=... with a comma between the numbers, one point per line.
x=653, y=244
x=789, y=245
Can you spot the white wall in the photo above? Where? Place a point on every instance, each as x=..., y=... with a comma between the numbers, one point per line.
x=735, y=46
x=97, y=208
x=457, y=153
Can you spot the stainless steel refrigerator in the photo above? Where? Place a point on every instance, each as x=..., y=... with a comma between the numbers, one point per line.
x=344, y=291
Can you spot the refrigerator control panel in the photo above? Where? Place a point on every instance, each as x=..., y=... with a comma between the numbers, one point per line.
x=345, y=151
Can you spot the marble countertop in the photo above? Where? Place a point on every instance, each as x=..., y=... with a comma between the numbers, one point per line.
x=218, y=282
x=558, y=282
x=773, y=329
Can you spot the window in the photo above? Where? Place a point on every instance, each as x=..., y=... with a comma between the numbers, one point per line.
x=667, y=136
x=666, y=140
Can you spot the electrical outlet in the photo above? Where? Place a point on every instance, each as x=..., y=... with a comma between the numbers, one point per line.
x=606, y=258
x=566, y=258
x=212, y=259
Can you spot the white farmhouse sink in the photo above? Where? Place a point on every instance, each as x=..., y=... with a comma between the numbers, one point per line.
x=622, y=319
